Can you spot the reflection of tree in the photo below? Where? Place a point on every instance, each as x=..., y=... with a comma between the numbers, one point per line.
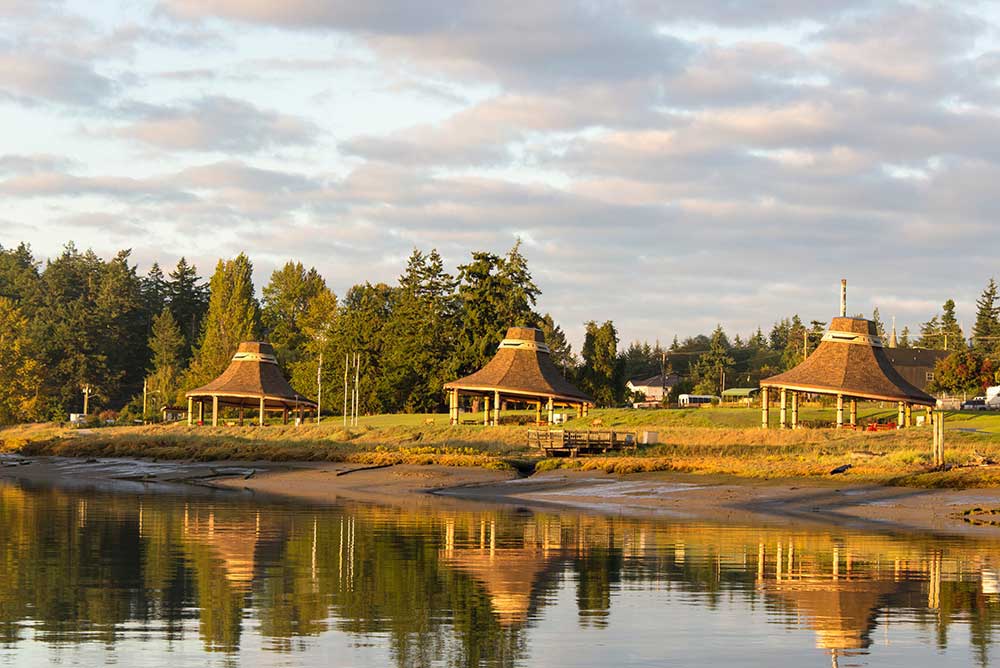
x=457, y=588
x=598, y=571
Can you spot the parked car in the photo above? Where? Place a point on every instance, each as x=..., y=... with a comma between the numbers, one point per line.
x=975, y=404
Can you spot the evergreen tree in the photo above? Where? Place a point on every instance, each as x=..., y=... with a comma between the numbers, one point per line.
x=188, y=298
x=360, y=329
x=930, y=335
x=286, y=299
x=951, y=331
x=879, y=325
x=20, y=373
x=520, y=289
x=601, y=373
x=70, y=334
x=232, y=317
x=18, y=275
x=155, y=292
x=421, y=329
x=495, y=293
x=560, y=349
x=794, y=352
x=712, y=366
x=986, y=331
x=904, y=338
x=166, y=346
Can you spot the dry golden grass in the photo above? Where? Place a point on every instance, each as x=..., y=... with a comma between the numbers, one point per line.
x=902, y=458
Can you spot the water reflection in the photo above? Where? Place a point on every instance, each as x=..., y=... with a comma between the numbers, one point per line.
x=217, y=578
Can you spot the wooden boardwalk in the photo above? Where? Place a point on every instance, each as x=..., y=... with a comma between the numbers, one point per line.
x=566, y=443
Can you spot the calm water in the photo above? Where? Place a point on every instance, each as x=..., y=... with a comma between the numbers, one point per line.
x=92, y=578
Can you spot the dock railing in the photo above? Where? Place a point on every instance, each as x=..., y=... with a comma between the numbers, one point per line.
x=566, y=443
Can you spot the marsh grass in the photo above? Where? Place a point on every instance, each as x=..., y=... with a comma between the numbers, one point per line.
x=727, y=446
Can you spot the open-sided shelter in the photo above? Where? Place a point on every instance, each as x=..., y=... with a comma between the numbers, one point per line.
x=521, y=371
x=850, y=363
x=252, y=380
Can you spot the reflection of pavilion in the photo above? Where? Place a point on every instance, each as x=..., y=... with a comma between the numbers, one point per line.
x=232, y=542
x=842, y=612
x=509, y=575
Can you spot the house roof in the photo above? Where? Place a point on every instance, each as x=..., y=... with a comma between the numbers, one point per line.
x=740, y=392
x=522, y=366
x=919, y=357
x=850, y=360
x=253, y=373
x=654, y=381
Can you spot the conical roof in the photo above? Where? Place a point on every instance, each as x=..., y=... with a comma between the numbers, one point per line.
x=850, y=360
x=253, y=373
x=522, y=366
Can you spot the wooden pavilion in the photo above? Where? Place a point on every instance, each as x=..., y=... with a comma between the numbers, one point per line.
x=850, y=363
x=521, y=371
x=252, y=380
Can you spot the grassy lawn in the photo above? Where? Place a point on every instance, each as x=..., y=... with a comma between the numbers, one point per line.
x=711, y=440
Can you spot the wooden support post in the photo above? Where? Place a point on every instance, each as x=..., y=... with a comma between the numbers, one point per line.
x=549, y=406
x=215, y=411
x=909, y=416
x=190, y=410
x=496, y=409
x=241, y=414
x=783, y=402
x=284, y=415
x=453, y=407
x=934, y=437
x=486, y=411
x=579, y=411
x=263, y=412
x=201, y=412
x=840, y=411
x=854, y=412
x=764, y=408
x=900, y=415
x=795, y=410
x=940, y=439
x=586, y=410
x=538, y=413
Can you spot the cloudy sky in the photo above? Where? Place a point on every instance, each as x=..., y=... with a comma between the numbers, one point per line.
x=668, y=165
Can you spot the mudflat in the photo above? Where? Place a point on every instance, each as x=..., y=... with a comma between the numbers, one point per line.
x=681, y=497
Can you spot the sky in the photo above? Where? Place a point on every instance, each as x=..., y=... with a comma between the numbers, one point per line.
x=666, y=165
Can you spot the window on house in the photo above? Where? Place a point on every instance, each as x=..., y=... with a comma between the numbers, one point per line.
x=930, y=376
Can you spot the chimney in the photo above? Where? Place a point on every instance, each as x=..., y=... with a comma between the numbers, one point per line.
x=843, y=298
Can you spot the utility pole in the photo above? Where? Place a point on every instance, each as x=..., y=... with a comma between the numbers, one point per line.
x=86, y=399
x=663, y=374
x=144, y=382
x=319, y=388
x=357, y=386
x=347, y=357
x=805, y=345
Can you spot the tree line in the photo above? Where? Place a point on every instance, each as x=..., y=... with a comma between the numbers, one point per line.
x=80, y=320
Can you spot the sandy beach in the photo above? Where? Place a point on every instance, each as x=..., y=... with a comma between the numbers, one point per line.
x=680, y=497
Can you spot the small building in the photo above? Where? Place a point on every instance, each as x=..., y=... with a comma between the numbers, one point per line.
x=172, y=414
x=522, y=371
x=916, y=365
x=252, y=380
x=745, y=395
x=652, y=388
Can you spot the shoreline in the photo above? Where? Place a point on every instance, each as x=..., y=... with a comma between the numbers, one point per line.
x=681, y=497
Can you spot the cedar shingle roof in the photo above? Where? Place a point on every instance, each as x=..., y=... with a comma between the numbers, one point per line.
x=522, y=366
x=851, y=361
x=253, y=373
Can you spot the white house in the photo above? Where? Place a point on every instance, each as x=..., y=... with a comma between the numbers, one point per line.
x=652, y=388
